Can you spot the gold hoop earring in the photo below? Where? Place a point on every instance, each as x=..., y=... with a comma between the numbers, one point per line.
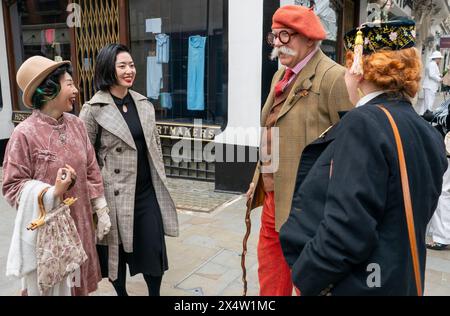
x=361, y=94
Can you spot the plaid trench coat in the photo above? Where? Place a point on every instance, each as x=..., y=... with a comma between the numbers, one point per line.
x=118, y=151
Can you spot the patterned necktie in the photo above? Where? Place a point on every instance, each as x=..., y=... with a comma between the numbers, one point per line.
x=283, y=83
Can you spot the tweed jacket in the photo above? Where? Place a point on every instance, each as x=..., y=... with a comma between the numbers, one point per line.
x=312, y=106
x=118, y=155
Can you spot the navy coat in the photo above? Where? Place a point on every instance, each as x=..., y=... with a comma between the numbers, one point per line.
x=347, y=211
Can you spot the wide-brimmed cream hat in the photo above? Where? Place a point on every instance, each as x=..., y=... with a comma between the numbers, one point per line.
x=31, y=74
x=436, y=54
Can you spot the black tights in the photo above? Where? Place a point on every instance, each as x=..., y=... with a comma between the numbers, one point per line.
x=153, y=283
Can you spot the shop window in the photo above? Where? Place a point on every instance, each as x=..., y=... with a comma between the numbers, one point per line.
x=326, y=10
x=328, y=17
x=179, y=49
x=39, y=29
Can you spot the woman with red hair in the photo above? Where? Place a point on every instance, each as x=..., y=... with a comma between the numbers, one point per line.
x=348, y=229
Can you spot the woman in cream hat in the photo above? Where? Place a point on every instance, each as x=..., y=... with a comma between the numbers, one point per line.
x=51, y=149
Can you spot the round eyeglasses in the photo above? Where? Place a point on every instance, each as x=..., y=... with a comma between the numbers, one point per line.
x=283, y=36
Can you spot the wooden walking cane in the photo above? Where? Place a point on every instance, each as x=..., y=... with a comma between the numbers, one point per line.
x=256, y=200
x=248, y=224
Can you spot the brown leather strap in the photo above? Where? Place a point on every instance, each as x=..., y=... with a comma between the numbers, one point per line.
x=406, y=201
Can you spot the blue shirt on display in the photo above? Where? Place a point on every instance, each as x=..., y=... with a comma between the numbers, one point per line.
x=196, y=73
x=162, y=48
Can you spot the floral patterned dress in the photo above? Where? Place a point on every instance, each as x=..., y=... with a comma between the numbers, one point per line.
x=38, y=147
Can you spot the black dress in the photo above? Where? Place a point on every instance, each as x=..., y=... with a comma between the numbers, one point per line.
x=149, y=250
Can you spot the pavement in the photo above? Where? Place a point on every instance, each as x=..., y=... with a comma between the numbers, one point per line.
x=196, y=196
x=204, y=260
x=437, y=275
x=440, y=97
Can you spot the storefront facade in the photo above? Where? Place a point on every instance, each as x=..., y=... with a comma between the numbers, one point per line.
x=202, y=63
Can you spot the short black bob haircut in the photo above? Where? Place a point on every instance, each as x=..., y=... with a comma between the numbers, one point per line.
x=105, y=68
x=50, y=87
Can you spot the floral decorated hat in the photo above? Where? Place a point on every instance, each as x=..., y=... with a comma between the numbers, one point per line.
x=374, y=36
x=393, y=35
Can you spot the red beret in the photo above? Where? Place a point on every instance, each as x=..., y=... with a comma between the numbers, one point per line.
x=301, y=19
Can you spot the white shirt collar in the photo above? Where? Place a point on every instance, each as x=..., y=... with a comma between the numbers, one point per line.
x=369, y=97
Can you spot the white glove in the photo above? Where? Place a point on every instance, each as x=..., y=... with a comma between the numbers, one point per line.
x=104, y=222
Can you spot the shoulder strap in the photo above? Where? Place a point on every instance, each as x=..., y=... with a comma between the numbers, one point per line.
x=406, y=201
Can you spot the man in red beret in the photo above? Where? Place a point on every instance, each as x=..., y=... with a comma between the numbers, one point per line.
x=305, y=97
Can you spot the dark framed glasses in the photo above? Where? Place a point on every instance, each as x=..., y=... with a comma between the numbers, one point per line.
x=283, y=36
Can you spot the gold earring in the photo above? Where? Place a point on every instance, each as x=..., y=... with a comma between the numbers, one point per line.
x=361, y=94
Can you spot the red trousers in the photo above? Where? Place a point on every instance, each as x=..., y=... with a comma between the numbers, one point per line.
x=273, y=271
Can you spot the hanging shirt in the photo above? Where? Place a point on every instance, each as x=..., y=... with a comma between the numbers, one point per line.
x=196, y=73
x=166, y=100
x=154, y=77
x=162, y=48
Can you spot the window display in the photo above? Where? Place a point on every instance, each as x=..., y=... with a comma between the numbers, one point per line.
x=328, y=18
x=326, y=11
x=181, y=47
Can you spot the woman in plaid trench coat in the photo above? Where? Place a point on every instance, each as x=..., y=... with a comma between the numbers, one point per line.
x=121, y=125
